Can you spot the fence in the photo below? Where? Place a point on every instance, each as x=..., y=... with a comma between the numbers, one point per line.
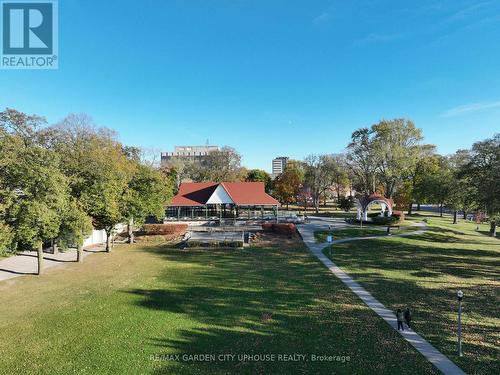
x=99, y=236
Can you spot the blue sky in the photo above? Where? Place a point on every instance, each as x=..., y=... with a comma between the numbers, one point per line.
x=270, y=77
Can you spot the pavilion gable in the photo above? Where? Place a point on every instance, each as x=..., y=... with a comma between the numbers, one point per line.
x=220, y=196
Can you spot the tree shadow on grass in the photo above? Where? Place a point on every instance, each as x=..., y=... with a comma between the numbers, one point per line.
x=267, y=301
x=425, y=275
x=17, y=272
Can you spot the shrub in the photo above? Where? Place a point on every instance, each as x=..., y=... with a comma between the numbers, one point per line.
x=267, y=227
x=346, y=203
x=288, y=228
x=384, y=220
x=163, y=229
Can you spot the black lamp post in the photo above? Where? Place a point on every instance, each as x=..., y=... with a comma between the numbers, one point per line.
x=460, y=296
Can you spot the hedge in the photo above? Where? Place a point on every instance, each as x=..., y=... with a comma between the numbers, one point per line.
x=163, y=229
x=378, y=220
x=280, y=228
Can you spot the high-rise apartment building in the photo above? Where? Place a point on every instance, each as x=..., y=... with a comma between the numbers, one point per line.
x=279, y=165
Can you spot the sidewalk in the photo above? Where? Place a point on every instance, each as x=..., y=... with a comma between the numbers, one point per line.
x=26, y=262
x=443, y=363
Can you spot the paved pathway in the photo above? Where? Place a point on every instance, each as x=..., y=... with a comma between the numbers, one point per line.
x=443, y=363
x=26, y=262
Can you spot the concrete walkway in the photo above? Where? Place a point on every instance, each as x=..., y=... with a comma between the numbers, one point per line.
x=443, y=363
x=26, y=262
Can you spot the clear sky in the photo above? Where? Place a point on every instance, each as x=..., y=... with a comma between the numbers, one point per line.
x=271, y=77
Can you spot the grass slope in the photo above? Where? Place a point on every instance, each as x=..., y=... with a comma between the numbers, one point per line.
x=114, y=311
x=424, y=272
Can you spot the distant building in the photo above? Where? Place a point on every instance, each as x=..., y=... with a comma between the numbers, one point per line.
x=193, y=153
x=279, y=165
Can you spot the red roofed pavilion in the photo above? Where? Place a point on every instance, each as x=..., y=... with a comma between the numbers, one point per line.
x=222, y=199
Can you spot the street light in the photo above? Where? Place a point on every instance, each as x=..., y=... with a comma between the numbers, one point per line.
x=460, y=296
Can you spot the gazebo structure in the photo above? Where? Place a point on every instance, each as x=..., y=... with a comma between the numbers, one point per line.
x=364, y=203
x=204, y=200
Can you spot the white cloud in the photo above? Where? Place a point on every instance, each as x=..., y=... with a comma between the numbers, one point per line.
x=472, y=107
x=378, y=38
x=322, y=19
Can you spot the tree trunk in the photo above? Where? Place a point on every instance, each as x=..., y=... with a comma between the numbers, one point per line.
x=108, y=240
x=79, y=253
x=130, y=228
x=465, y=215
x=410, y=208
x=40, y=258
x=441, y=210
x=493, y=228
x=55, y=250
x=418, y=206
x=455, y=216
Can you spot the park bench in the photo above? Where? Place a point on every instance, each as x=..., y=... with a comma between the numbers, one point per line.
x=389, y=227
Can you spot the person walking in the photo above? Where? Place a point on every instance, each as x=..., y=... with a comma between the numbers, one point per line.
x=400, y=318
x=407, y=316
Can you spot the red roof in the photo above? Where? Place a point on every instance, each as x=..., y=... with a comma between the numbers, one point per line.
x=242, y=193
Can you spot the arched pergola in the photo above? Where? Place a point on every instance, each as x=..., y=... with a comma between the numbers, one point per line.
x=364, y=203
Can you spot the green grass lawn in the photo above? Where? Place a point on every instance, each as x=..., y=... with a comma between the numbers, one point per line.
x=110, y=314
x=424, y=272
x=356, y=231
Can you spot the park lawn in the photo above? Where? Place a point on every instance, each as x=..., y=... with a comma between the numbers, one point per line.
x=356, y=231
x=424, y=272
x=114, y=311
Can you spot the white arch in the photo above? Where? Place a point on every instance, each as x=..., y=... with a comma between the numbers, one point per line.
x=363, y=213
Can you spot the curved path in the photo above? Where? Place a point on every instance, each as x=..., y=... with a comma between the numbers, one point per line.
x=443, y=363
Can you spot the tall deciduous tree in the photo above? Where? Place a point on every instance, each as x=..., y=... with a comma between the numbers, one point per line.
x=287, y=185
x=147, y=194
x=98, y=167
x=384, y=155
x=258, y=175
x=362, y=161
x=32, y=177
x=483, y=171
x=396, y=149
x=76, y=225
x=320, y=173
x=340, y=175
x=219, y=166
